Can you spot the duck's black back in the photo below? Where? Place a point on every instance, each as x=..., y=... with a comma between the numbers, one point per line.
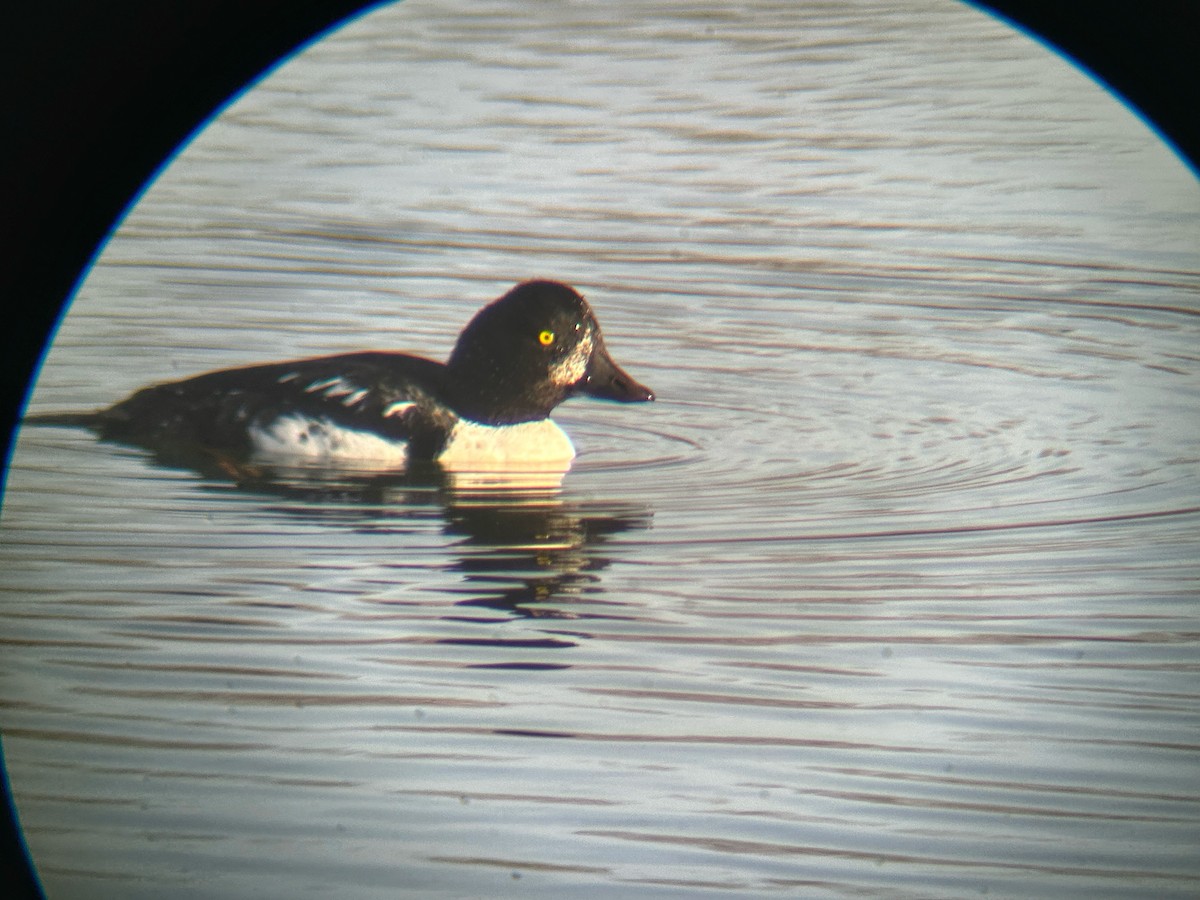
x=386, y=393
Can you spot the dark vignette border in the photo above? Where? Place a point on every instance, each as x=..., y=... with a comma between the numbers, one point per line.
x=98, y=96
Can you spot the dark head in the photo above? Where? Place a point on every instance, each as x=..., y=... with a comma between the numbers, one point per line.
x=525, y=353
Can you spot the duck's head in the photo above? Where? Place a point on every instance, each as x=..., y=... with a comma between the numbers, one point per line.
x=525, y=353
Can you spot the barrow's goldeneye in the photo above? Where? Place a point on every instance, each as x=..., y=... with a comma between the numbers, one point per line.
x=488, y=405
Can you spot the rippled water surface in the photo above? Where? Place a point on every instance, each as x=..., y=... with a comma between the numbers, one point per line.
x=893, y=591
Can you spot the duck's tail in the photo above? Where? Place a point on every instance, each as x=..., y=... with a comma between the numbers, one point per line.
x=65, y=419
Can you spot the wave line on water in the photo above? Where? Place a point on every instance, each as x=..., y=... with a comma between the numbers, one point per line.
x=948, y=531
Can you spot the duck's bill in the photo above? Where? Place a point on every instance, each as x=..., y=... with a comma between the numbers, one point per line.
x=608, y=381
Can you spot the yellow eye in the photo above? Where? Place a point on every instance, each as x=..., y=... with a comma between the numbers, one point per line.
x=546, y=338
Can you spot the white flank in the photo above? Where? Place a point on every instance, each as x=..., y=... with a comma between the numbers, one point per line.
x=531, y=447
x=299, y=438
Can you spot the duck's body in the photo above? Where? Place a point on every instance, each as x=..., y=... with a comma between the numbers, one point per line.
x=490, y=403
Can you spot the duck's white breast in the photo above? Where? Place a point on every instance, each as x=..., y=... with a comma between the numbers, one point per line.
x=528, y=445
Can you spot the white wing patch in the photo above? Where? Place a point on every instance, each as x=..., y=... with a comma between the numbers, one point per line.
x=399, y=408
x=301, y=438
x=334, y=387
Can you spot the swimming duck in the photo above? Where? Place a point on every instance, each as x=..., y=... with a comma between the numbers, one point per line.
x=489, y=404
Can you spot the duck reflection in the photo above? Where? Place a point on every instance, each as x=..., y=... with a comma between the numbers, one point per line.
x=523, y=548
x=526, y=551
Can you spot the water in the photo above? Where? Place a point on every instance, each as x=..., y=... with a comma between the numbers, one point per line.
x=892, y=592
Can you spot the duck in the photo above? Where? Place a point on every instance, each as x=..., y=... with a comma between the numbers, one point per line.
x=488, y=405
